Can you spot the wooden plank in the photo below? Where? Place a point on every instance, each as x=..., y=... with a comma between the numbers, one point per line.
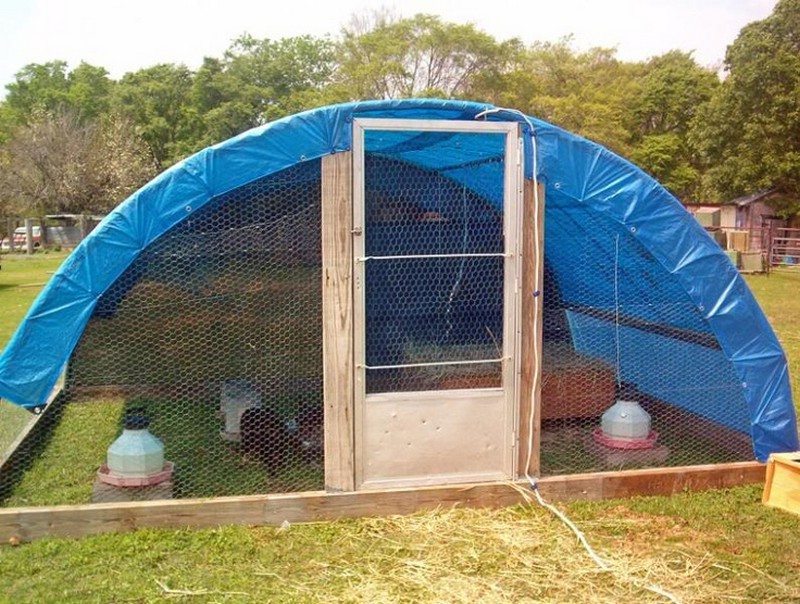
x=31, y=523
x=768, y=481
x=669, y=481
x=782, y=487
x=676, y=333
x=337, y=320
x=531, y=364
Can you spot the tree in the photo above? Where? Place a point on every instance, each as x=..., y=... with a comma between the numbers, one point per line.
x=85, y=91
x=749, y=133
x=278, y=70
x=89, y=92
x=60, y=163
x=673, y=88
x=37, y=87
x=586, y=92
x=670, y=93
x=120, y=162
x=158, y=100
x=7, y=122
x=419, y=56
x=260, y=80
x=664, y=156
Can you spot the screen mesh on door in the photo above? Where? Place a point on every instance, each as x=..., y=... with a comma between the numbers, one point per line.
x=435, y=256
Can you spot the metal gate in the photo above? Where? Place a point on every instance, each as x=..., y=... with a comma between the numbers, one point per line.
x=436, y=285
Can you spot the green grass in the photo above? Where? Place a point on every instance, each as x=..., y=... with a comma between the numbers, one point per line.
x=74, y=443
x=208, y=466
x=709, y=547
x=731, y=526
x=21, y=280
x=779, y=297
x=714, y=546
x=64, y=470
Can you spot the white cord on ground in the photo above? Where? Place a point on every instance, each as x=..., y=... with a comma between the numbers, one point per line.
x=601, y=564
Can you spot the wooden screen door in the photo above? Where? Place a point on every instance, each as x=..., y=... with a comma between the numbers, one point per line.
x=435, y=274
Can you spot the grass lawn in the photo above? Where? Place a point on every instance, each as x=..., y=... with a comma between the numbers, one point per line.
x=716, y=546
x=779, y=296
x=21, y=280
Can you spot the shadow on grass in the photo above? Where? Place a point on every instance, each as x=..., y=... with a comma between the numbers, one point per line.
x=58, y=462
x=30, y=449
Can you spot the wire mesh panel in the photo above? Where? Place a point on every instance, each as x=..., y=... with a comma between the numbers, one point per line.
x=214, y=333
x=435, y=262
x=617, y=326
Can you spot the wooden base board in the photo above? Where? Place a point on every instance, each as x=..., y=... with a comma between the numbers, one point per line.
x=26, y=524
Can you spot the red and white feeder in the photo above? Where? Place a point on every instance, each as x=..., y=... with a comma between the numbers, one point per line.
x=136, y=458
x=626, y=426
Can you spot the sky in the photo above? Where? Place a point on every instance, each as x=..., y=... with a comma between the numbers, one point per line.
x=125, y=35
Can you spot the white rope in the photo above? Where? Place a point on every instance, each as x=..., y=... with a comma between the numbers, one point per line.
x=601, y=564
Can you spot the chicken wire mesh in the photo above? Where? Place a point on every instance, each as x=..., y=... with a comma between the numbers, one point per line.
x=617, y=326
x=215, y=331
x=434, y=281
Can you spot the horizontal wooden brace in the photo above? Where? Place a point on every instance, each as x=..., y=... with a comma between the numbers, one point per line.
x=30, y=523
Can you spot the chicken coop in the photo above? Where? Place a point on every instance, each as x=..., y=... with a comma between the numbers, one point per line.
x=389, y=296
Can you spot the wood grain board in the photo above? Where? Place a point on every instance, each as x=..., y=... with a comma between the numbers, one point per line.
x=79, y=520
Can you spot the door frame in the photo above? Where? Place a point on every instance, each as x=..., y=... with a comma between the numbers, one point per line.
x=512, y=328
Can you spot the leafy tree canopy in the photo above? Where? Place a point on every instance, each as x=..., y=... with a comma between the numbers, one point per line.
x=702, y=138
x=749, y=132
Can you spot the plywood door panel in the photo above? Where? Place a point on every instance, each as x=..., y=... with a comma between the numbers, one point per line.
x=434, y=438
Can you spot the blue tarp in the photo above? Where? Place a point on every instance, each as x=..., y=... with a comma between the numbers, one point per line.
x=585, y=184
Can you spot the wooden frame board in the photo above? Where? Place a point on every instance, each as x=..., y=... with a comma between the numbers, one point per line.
x=26, y=524
x=8, y=454
x=530, y=392
x=337, y=320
